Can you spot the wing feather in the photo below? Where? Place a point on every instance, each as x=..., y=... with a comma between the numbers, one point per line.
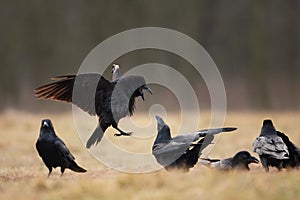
x=82, y=90
x=271, y=145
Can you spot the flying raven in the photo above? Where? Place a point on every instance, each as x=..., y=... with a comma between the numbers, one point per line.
x=182, y=151
x=53, y=150
x=240, y=160
x=275, y=149
x=110, y=101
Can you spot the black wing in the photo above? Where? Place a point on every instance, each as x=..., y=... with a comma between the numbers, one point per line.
x=87, y=91
x=65, y=153
x=189, y=159
x=294, y=157
x=63, y=150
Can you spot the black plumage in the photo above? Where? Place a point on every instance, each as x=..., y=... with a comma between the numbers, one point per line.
x=275, y=149
x=110, y=101
x=181, y=152
x=240, y=160
x=294, y=152
x=53, y=150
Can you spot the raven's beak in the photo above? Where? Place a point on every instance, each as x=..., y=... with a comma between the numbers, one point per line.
x=253, y=160
x=145, y=87
x=160, y=122
x=45, y=124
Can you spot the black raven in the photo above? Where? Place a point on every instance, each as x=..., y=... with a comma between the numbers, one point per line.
x=110, y=101
x=240, y=160
x=182, y=151
x=275, y=149
x=53, y=150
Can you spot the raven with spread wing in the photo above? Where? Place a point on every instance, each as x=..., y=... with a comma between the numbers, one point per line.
x=110, y=101
x=182, y=151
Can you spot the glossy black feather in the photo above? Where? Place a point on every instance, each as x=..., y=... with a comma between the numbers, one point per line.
x=181, y=152
x=110, y=101
x=53, y=150
x=275, y=148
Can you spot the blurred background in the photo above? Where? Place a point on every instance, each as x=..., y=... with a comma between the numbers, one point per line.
x=255, y=44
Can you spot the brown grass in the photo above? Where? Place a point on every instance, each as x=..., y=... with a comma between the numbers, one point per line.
x=23, y=175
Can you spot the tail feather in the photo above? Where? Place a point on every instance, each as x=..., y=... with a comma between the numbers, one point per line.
x=95, y=137
x=228, y=129
x=76, y=168
x=214, y=131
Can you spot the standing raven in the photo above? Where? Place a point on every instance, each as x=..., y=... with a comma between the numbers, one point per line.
x=240, y=160
x=53, y=150
x=275, y=149
x=182, y=151
x=110, y=101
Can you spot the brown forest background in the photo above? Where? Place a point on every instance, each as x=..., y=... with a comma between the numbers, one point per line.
x=255, y=44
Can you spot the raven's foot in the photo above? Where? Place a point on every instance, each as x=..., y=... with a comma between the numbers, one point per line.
x=123, y=133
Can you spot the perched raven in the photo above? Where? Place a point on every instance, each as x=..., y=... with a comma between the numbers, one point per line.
x=240, y=160
x=53, y=150
x=110, y=101
x=182, y=151
x=275, y=149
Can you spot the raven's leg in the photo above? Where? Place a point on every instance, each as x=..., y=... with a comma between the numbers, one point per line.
x=115, y=125
x=264, y=163
x=62, y=170
x=279, y=168
x=50, y=170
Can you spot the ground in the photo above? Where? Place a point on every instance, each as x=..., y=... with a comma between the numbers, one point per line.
x=24, y=176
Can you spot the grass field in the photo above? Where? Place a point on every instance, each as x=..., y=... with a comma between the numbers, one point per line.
x=24, y=176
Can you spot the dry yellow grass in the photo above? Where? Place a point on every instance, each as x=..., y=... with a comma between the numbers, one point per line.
x=24, y=176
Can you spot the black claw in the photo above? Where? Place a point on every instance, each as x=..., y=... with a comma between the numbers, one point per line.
x=122, y=133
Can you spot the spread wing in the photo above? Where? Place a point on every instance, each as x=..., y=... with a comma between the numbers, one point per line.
x=123, y=95
x=169, y=148
x=87, y=91
x=271, y=145
x=189, y=138
x=167, y=153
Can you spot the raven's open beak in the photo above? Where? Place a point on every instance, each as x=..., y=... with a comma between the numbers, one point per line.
x=253, y=160
x=145, y=88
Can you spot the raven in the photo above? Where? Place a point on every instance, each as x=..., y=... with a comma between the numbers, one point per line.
x=275, y=149
x=53, y=150
x=110, y=101
x=240, y=160
x=182, y=151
